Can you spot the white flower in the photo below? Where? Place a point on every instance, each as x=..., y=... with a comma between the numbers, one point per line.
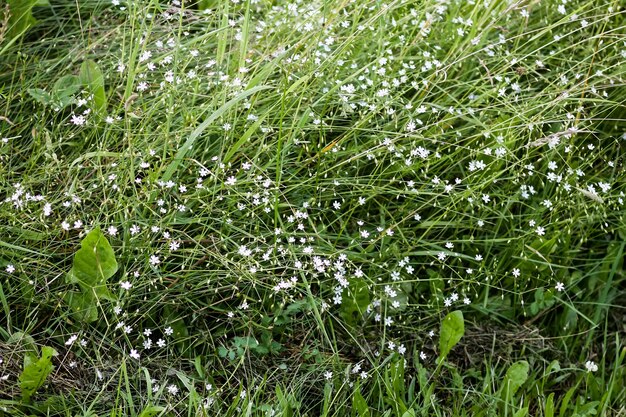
x=78, y=120
x=591, y=366
x=134, y=354
x=126, y=285
x=71, y=340
x=154, y=260
x=134, y=230
x=559, y=286
x=10, y=268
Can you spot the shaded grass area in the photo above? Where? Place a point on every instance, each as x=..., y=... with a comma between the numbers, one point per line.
x=297, y=194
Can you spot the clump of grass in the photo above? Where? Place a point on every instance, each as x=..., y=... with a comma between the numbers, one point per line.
x=296, y=194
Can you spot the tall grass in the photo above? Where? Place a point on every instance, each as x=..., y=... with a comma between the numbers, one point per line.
x=297, y=193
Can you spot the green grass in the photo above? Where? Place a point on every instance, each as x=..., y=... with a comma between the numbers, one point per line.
x=296, y=194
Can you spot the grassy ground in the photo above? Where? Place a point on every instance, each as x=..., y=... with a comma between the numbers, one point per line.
x=322, y=208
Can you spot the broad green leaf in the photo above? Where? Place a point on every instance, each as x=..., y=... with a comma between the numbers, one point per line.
x=176, y=322
x=35, y=372
x=42, y=96
x=515, y=377
x=24, y=341
x=328, y=398
x=151, y=411
x=94, y=264
x=359, y=404
x=355, y=299
x=549, y=408
x=522, y=412
x=84, y=306
x=565, y=402
x=452, y=330
x=20, y=16
x=66, y=86
x=91, y=77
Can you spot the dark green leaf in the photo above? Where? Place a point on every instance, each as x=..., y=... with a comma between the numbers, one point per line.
x=83, y=304
x=356, y=298
x=359, y=404
x=21, y=17
x=91, y=77
x=66, y=86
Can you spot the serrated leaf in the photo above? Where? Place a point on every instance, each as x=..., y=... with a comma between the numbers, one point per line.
x=515, y=377
x=94, y=264
x=92, y=78
x=452, y=330
x=42, y=96
x=35, y=372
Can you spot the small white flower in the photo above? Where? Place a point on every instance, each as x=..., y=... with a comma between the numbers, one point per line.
x=71, y=340
x=78, y=120
x=591, y=366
